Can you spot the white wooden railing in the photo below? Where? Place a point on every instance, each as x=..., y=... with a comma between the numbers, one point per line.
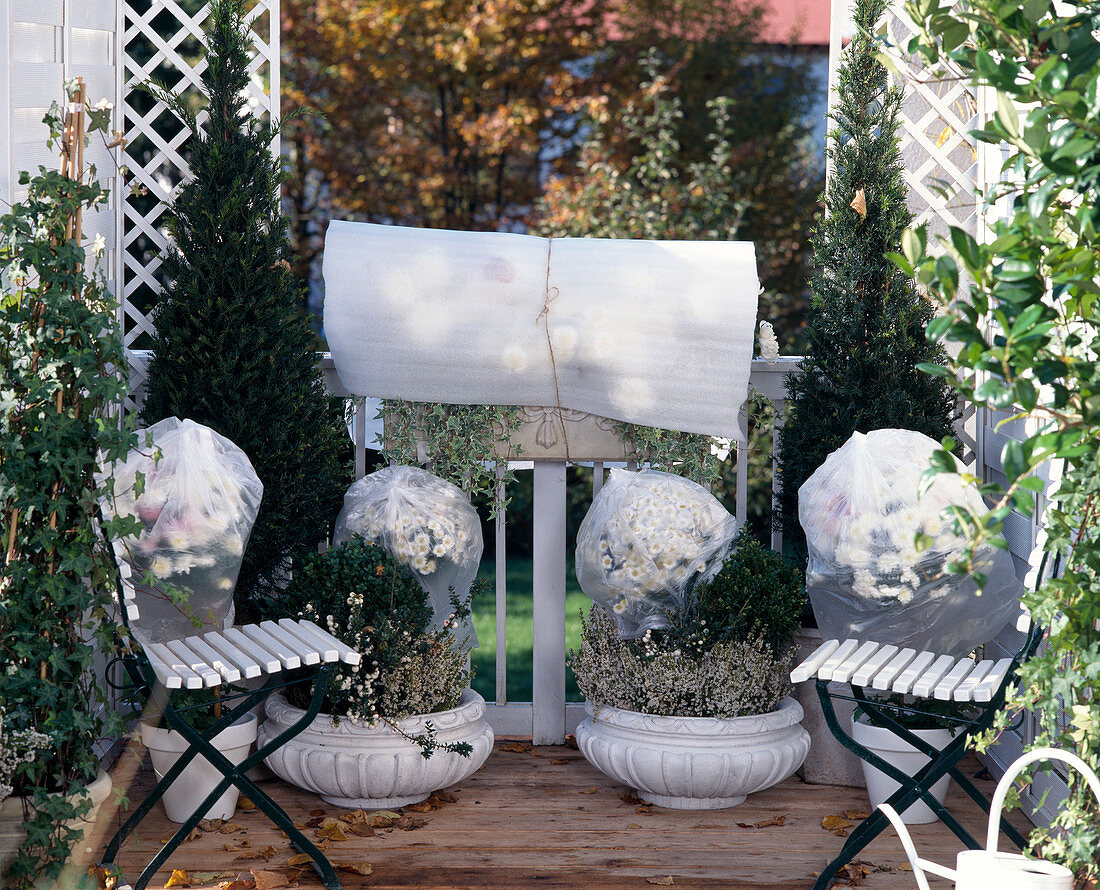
x=548, y=717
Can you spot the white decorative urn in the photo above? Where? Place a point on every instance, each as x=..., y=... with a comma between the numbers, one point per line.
x=375, y=767
x=694, y=763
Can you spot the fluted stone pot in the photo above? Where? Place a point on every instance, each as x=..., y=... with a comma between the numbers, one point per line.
x=375, y=767
x=694, y=763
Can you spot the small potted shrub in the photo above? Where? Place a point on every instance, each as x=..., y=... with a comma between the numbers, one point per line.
x=403, y=722
x=696, y=715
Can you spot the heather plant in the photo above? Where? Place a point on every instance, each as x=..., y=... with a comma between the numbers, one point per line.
x=678, y=672
x=728, y=655
x=363, y=596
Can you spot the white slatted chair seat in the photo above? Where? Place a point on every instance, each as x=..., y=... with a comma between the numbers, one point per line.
x=884, y=667
x=247, y=651
x=226, y=656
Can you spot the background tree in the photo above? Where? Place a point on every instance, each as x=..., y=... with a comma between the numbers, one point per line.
x=865, y=324
x=431, y=113
x=233, y=348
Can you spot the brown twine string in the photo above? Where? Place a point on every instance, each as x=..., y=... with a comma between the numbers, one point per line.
x=544, y=317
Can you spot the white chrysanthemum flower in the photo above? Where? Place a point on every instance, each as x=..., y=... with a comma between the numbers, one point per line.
x=161, y=567
x=515, y=358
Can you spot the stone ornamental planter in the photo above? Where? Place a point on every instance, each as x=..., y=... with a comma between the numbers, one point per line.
x=12, y=833
x=373, y=767
x=694, y=763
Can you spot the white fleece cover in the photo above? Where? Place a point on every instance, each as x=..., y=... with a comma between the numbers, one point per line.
x=658, y=333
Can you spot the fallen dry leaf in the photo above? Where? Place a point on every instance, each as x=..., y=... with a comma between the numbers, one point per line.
x=357, y=868
x=840, y=832
x=408, y=823
x=300, y=859
x=634, y=825
x=237, y=884
x=103, y=881
x=591, y=790
x=231, y=828
x=643, y=806
x=264, y=854
x=856, y=815
x=423, y=807
x=776, y=821
x=383, y=819
x=233, y=848
x=332, y=830
x=515, y=747
x=666, y=881
x=834, y=823
x=178, y=878
x=361, y=829
x=561, y=761
x=317, y=812
x=243, y=803
x=269, y=880
x=905, y=866
x=211, y=824
x=571, y=742
x=195, y=833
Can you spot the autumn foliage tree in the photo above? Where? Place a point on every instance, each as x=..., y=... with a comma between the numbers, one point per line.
x=429, y=113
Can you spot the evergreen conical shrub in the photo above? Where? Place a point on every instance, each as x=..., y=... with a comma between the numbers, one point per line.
x=866, y=322
x=233, y=348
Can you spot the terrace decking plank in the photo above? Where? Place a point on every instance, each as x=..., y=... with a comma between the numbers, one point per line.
x=525, y=820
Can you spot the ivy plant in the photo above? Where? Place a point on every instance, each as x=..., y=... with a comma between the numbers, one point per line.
x=1027, y=337
x=62, y=383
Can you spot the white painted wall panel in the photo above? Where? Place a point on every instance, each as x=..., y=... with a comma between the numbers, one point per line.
x=34, y=42
x=48, y=12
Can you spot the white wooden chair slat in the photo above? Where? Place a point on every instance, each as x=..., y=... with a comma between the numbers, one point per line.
x=904, y=681
x=924, y=686
x=191, y=680
x=1023, y=620
x=964, y=692
x=818, y=657
x=291, y=661
x=347, y=654
x=328, y=652
x=882, y=680
x=854, y=661
x=233, y=655
x=825, y=672
x=132, y=612
x=946, y=687
x=873, y=665
x=303, y=650
x=984, y=690
x=165, y=674
x=230, y=673
x=196, y=662
x=268, y=660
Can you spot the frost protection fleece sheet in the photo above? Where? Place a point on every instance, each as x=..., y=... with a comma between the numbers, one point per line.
x=658, y=333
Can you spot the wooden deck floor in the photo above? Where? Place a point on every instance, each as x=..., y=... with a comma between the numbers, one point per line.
x=544, y=817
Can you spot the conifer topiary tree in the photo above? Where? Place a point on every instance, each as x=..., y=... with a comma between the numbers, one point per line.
x=865, y=328
x=233, y=348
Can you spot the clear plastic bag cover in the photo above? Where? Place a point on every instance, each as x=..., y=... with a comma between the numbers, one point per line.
x=861, y=511
x=200, y=499
x=648, y=539
x=658, y=333
x=424, y=522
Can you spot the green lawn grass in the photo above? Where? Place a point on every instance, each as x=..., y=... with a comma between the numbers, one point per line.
x=519, y=629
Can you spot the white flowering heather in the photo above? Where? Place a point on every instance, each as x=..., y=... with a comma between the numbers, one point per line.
x=769, y=343
x=687, y=678
x=645, y=543
x=426, y=523
x=196, y=497
x=16, y=746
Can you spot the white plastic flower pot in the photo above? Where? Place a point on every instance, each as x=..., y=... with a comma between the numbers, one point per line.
x=374, y=767
x=906, y=758
x=694, y=763
x=199, y=778
x=12, y=833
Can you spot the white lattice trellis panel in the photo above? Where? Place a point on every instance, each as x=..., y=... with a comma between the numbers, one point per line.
x=164, y=40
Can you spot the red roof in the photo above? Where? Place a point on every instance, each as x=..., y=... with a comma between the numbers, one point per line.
x=806, y=22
